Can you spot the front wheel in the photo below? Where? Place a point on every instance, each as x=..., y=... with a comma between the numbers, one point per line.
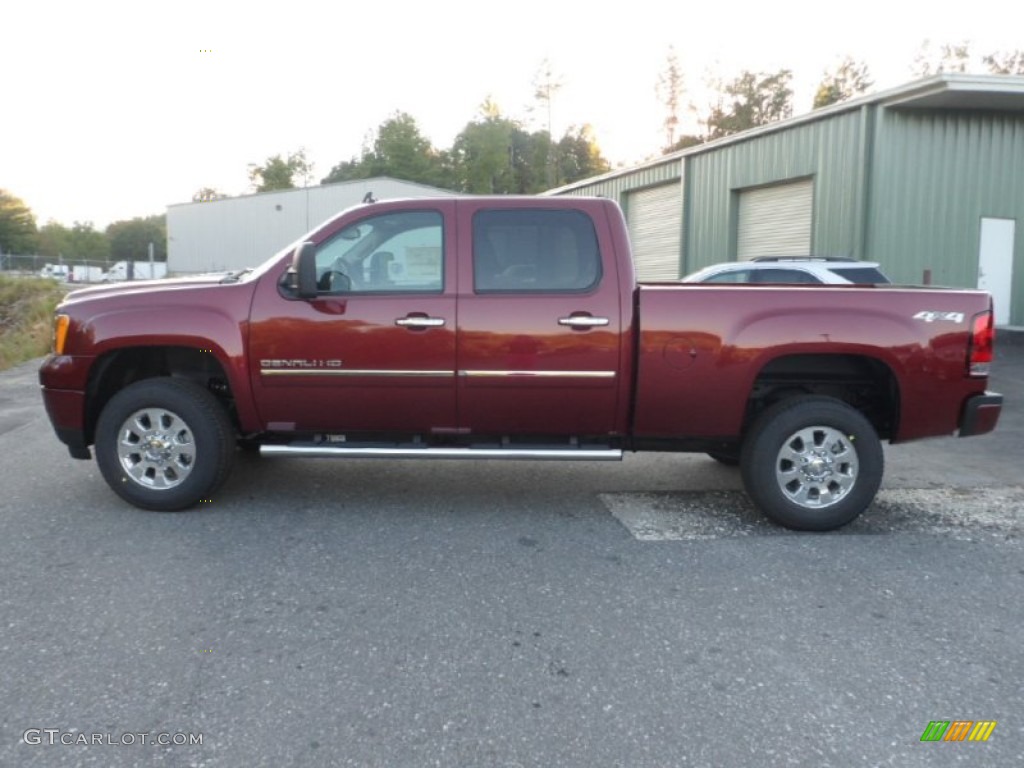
x=164, y=444
x=812, y=463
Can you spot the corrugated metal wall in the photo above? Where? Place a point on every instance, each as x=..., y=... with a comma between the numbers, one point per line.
x=239, y=232
x=617, y=188
x=826, y=151
x=935, y=175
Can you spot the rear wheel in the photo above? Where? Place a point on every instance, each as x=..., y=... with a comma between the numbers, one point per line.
x=812, y=463
x=164, y=444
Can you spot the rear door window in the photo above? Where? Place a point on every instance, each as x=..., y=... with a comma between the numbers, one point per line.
x=534, y=251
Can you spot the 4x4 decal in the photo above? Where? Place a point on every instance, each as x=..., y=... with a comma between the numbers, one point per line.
x=931, y=317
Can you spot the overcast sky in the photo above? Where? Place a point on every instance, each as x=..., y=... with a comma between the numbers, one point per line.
x=113, y=109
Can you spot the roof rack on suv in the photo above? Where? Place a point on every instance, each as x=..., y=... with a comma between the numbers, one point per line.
x=802, y=258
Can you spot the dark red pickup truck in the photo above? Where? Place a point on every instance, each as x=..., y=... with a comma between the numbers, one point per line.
x=510, y=328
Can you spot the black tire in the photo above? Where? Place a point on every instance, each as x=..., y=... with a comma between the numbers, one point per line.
x=729, y=459
x=164, y=444
x=812, y=463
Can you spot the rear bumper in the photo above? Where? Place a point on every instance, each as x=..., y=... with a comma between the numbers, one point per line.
x=980, y=414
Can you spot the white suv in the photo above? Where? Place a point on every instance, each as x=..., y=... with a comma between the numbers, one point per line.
x=792, y=269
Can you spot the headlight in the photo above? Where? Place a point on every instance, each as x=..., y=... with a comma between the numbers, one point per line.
x=60, y=333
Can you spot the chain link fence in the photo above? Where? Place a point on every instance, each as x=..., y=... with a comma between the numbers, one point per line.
x=60, y=268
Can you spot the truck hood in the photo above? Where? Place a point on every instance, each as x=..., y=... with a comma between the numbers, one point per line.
x=136, y=287
x=145, y=286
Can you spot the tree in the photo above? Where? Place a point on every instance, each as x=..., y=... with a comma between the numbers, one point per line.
x=492, y=154
x=398, y=149
x=346, y=170
x=752, y=99
x=684, y=141
x=579, y=156
x=848, y=79
x=669, y=89
x=402, y=151
x=54, y=240
x=950, y=57
x=206, y=194
x=279, y=173
x=130, y=238
x=17, y=225
x=1009, y=63
x=484, y=153
x=80, y=242
x=545, y=85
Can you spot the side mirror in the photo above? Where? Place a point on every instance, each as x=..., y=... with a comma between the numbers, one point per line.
x=304, y=269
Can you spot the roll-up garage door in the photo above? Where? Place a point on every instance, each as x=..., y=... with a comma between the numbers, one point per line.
x=655, y=225
x=775, y=221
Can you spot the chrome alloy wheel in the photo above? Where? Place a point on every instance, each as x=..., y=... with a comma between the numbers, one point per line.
x=156, y=448
x=816, y=467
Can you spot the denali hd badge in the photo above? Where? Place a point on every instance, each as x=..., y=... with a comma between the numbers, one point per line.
x=302, y=364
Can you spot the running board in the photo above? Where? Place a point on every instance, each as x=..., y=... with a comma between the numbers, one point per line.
x=350, y=452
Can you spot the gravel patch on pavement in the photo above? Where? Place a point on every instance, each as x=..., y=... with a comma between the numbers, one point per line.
x=963, y=513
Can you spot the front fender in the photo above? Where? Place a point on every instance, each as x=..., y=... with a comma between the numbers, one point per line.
x=215, y=331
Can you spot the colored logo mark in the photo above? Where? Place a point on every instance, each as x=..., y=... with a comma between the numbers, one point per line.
x=958, y=730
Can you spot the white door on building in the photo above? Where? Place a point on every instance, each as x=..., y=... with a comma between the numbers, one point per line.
x=995, y=264
x=775, y=221
x=655, y=218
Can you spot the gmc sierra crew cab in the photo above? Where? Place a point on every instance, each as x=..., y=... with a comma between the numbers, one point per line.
x=510, y=328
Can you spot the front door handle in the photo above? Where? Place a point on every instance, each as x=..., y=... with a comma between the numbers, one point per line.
x=420, y=321
x=583, y=321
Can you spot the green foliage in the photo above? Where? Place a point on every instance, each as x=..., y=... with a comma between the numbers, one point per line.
x=845, y=81
x=685, y=141
x=17, y=225
x=347, y=170
x=26, y=314
x=579, y=156
x=491, y=155
x=80, y=242
x=752, y=99
x=399, y=150
x=130, y=238
x=279, y=173
x=484, y=154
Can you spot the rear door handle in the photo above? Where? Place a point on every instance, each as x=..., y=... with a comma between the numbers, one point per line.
x=583, y=321
x=420, y=321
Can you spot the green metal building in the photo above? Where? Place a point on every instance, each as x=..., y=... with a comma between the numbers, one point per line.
x=927, y=179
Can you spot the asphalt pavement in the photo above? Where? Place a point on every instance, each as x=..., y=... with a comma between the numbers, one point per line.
x=395, y=613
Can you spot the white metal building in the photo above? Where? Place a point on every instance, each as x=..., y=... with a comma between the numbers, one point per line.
x=238, y=232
